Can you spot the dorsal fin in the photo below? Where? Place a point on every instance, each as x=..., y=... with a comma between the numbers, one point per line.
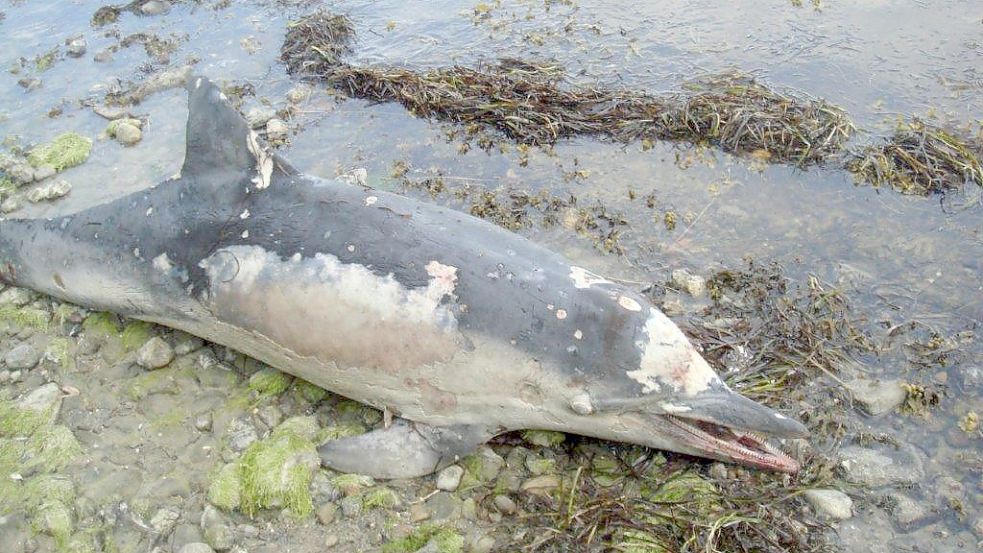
x=217, y=136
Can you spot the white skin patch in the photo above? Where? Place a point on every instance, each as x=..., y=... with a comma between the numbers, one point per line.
x=198, y=83
x=245, y=234
x=669, y=359
x=670, y=408
x=629, y=303
x=578, y=334
x=150, y=211
x=244, y=214
x=264, y=161
x=371, y=200
x=561, y=314
x=333, y=311
x=582, y=278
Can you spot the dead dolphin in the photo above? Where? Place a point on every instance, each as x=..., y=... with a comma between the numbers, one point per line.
x=461, y=329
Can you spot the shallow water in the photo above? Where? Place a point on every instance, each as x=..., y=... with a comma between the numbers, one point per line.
x=899, y=258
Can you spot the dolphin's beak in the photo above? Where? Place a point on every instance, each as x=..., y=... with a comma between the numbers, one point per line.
x=726, y=425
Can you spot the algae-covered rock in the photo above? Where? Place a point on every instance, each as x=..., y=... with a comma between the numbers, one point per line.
x=66, y=150
x=444, y=540
x=338, y=431
x=155, y=354
x=276, y=472
x=543, y=438
x=304, y=426
x=309, y=392
x=51, y=190
x=380, y=498
x=270, y=382
x=55, y=519
x=480, y=468
x=223, y=492
x=684, y=487
x=352, y=484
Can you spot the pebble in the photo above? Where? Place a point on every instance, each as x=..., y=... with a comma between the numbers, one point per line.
x=504, y=504
x=75, y=47
x=444, y=506
x=103, y=56
x=155, y=353
x=22, y=357
x=185, y=343
x=20, y=173
x=241, y=434
x=10, y=205
x=50, y=191
x=197, y=547
x=127, y=134
x=484, y=544
x=270, y=415
x=216, y=529
x=541, y=485
x=830, y=503
x=44, y=399
x=907, y=512
x=18, y=297
x=351, y=506
x=418, y=513
x=277, y=130
x=450, y=478
x=326, y=513
x=203, y=422
x=45, y=171
x=322, y=490
x=111, y=113
x=873, y=468
x=877, y=397
x=164, y=521
x=299, y=93
x=155, y=7
x=694, y=285
x=331, y=541
x=258, y=116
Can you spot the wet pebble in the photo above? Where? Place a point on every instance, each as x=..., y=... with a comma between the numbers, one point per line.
x=20, y=173
x=326, y=513
x=45, y=171
x=196, y=547
x=50, y=191
x=75, y=47
x=103, y=56
x=907, y=512
x=877, y=397
x=203, y=422
x=155, y=353
x=298, y=94
x=155, y=7
x=874, y=468
x=164, y=520
x=694, y=285
x=450, y=478
x=127, y=133
x=240, y=435
x=504, y=504
x=216, y=529
x=833, y=504
x=22, y=357
x=351, y=506
x=259, y=116
x=277, y=130
x=10, y=205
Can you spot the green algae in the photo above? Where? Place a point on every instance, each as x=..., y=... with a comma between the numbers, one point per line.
x=311, y=393
x=59, y=350
x=302, y=425
x=225, y=486
x=543, y=438
x=135, y=334
x=447, y=540
x=53, y=448
x=55, y=519
x=24, y=317
x=381, y=497
x=66, y=150
x=101, y=324
x=338, y=431
x=351, y=483
x=269, y=382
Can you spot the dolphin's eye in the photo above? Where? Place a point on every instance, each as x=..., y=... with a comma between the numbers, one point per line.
x=581, y=404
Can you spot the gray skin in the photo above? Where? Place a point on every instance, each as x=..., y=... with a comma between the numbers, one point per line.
x=459, y=329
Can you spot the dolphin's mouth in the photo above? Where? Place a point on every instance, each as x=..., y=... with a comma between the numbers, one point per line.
x=722, y=442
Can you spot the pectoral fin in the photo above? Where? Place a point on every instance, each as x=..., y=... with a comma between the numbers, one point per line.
x=404, y=450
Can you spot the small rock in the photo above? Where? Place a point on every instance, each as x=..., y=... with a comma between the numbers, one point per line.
x=216, y=529
x=10, y=205
x=30, y=84
x=907, y=512
x=20, y=173
x=185, y=343
x=322, y=490
x=541, y=485
x=197, y=547
x=18, y=297
x=351, y=506
x=154, y=354
x=203, y=422
x=45, y=399
x=831, y=503
x=694, y=285
x=75, y=47
x=241, y=434
x=111, y=113
x=356, y=177
x=259, y=116
x=444, y=506
x=718, y=471
x=450, y=478
x=277, y=130
x=50, y=191
x=978, y=528
x=483, y=544
x=299, y=93
x=873, y=468
x=45, y=171
x=165, y=520
x=127, y=134
x=270, y=415
x=418, y=513
x=103, y=56
x=22, y=357
x=155, y=7
x=877, y=397
x=490, y=464
x=504, y=504
x=326, y=513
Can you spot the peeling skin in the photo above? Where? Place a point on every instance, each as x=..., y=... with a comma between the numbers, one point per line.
x=668, y=359
x=582, y=278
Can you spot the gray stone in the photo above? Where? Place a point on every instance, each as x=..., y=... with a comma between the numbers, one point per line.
x=694, y=285
x=21, y=173
x=185, y=343
x=322, y=490
x=110, y=112
x=164, y=520
x=331, y=541
x=216, y=529
x=44, y=399
x=51, y=190
x=877, y=397
x=351, y=506
x=258, y=116
x=22, y=357
x=299, y=93
x=833, y=504
x=45, y=171
x=18, y=297
x=277, y=130
x=443, y=506
x=874, y=468
x=241, y=434
x=270, y=415
x=483, y=544
x=155, y=7
x=504, y=504
x=10, y=205
x=326, y=513
x=155, y=353
x=907, y=512
x=75, y=47
x=203, y=422
x=103, y=56
x=450, y=478
x=127, y=134
x=196, y=547
x=489, y=465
